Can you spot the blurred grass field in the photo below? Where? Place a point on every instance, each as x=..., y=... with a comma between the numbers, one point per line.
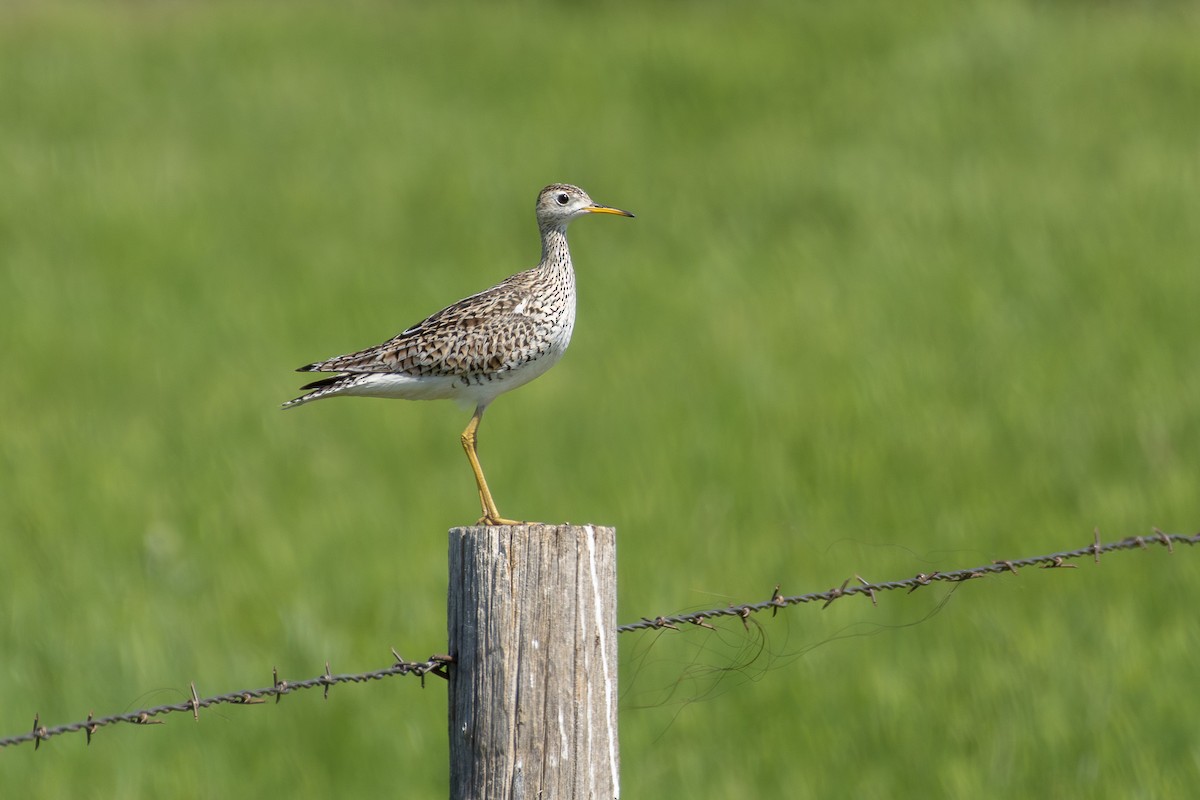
x=911, y=287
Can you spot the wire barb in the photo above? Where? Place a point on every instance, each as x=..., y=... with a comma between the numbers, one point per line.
x=777, y=600
x=1166, y=540
x=744, y=612
x=870, y=589
x=39, y=731
x=327, y=679
x=281, y=687
x=834, y=594
x=922, y=579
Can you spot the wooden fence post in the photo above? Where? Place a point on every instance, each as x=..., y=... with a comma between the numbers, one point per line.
x=533, y=686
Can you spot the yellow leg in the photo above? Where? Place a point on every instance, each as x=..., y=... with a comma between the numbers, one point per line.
x=490, y=515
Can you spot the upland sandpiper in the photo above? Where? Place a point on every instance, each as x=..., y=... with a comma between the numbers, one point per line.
x=482, y=346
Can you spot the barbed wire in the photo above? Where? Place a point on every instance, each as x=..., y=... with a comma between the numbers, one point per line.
x=778, y=601
x=435, y=665
x=439, y=664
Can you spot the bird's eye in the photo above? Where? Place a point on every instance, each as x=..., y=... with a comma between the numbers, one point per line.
x=562, y=198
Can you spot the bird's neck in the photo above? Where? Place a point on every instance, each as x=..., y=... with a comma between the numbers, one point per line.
x=556, y=256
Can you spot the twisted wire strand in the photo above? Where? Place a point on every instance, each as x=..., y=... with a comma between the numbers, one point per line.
x=864, y=587
x=148, y=716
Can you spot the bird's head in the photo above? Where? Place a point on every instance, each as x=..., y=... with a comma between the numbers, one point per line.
x=559, y=203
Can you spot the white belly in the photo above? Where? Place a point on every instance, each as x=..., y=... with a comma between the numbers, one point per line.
x=468, y=391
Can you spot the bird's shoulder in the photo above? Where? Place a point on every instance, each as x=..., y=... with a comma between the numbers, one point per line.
x=495, y=302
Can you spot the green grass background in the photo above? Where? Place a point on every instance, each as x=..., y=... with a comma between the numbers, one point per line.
x=911, y=287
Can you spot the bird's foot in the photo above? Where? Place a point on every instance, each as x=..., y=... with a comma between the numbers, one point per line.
x=491, y=521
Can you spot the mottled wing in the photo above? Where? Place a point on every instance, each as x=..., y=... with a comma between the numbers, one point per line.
x=490, y=332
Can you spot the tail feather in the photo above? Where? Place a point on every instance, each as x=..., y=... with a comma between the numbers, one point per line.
x=332, y=380
x=326, y=387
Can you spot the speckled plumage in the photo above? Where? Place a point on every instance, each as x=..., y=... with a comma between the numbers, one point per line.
x=482, y=346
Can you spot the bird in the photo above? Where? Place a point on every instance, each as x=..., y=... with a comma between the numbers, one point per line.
x=480, y=347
